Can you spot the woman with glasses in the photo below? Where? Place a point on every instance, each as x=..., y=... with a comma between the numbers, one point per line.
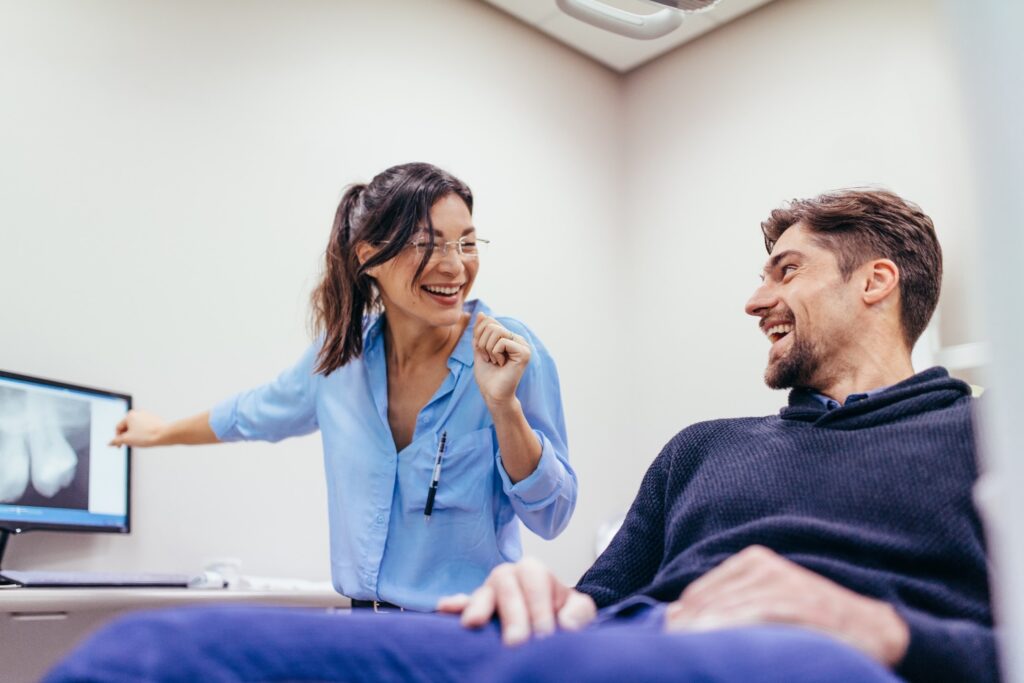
x=441, y=423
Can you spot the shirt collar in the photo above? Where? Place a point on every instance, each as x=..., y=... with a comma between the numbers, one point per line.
x=463, y=351
x=832, y=404
x=373, y=336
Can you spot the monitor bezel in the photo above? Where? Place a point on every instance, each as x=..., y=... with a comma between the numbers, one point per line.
x=19, y=527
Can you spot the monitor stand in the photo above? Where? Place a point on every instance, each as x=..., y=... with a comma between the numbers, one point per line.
x=66, y=579
x=4, y=535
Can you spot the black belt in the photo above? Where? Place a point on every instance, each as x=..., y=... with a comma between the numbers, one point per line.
x=378, y=606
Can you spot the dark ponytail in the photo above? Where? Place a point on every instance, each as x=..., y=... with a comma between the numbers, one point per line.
x=386, y=212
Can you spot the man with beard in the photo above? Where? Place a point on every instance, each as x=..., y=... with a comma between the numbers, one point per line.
x=836, y=540
x=849, y=513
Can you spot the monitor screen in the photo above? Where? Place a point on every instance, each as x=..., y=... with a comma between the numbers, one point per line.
x=56, y=469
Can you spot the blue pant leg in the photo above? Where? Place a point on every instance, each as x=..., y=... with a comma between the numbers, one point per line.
x=233, y=644
x=623, y=654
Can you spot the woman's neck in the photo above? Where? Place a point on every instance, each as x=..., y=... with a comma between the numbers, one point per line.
x=410, y=343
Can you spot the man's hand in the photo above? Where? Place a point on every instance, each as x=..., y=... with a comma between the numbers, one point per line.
x=758, y=586
x=527, y=598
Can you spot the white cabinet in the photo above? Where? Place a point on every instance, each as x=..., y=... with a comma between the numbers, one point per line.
x=39, y=625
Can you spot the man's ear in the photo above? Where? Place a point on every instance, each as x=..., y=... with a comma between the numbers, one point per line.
x=882, y=278
x=364, y=251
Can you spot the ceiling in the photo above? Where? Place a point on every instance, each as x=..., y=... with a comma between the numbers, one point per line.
x=614, y=51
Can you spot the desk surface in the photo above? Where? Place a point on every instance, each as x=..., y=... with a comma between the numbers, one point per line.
x=39, y=625
x=29, y=600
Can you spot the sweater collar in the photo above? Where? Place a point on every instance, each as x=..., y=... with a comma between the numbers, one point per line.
x=927, y=390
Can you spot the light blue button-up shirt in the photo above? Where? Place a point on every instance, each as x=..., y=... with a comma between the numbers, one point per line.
x=381, y=546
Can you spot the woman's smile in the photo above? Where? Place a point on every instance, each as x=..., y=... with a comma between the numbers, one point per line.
x=446, y=295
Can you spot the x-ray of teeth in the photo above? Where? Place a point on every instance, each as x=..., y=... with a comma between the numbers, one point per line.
x=14, y=465
x=53, y=460
x=44, y=440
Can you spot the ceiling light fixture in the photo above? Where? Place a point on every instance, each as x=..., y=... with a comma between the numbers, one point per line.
x=630, y=24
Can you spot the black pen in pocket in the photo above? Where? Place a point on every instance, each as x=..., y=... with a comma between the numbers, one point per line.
x=435, y=477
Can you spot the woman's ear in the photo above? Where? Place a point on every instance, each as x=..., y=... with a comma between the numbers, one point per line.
x=882, y=279
x=365, y=251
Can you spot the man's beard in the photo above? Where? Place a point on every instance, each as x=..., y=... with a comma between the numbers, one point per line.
x=794, y=369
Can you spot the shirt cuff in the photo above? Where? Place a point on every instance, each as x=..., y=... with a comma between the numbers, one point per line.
x=543, y=484
x=222, y=420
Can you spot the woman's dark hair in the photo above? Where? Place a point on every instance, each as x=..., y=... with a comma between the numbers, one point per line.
x=386, y=211
x=862, y=224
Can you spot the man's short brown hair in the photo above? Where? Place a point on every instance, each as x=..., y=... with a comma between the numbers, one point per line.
x=858, y=225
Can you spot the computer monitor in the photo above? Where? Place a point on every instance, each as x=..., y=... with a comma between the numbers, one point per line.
x=56, y=470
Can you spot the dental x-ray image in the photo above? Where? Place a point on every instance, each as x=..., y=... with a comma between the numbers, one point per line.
x=44, y=449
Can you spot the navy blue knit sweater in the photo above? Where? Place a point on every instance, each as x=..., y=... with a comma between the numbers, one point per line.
x=875, y=495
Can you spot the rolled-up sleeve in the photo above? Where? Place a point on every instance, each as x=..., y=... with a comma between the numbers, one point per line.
x=274, y=411
x=545, y=500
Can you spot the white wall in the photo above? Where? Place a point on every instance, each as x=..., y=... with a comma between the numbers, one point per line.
x=170, y=170
x=167, y=183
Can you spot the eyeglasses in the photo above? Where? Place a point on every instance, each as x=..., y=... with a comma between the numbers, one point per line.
x=466, y=247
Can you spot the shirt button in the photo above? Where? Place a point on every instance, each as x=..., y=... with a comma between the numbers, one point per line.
x=380, y=519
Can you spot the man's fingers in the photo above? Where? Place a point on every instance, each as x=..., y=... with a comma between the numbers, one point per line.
x=712, y=622
x=527, y=598
x=748, y=603
x=761, y=607
x=578, y=611
x=536, y=584
x=512, y=609
x=755, y=585
x=480, y=607
x=724, y=575
x=730, y=589
x=453, y=604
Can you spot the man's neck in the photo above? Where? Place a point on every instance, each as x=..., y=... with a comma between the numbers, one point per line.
x=864, y=377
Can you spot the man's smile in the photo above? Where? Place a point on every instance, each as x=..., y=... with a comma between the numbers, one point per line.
x=776, y=328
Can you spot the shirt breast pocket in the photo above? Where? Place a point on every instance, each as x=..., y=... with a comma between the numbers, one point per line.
x=467, y=473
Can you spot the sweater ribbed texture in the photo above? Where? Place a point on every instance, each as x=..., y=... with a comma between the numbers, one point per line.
x=875, y=495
